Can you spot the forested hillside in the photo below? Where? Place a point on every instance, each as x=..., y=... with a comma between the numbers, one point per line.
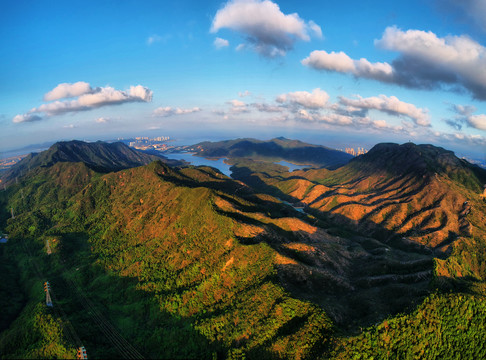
x=372, y=260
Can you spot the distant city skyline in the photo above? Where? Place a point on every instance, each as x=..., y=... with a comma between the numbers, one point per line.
x=332, y=73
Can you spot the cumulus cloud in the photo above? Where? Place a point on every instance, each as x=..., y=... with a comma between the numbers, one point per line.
x=340, y=62
x=169, y=111
x=26, y=118
x=336, y=119
x=66, y=90
x=315, y=100
x=464, y=116
x=477, y=121
x=390, y=105
x=102, y=120
x=87, y=99
x=425, y=61
x=267, y=30
x=220, y=43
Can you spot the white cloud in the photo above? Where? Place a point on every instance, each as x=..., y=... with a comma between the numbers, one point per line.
x=315, y=100
x=104, y=96
x=26, y=118
x=465, y=116
x=236, y=103
x=380, y=124
x=269, y=31
x=66, y=90
x=391, y=105
x=220, y=43
x=169, y=111
x=477, y=121
x=340, y=62
x=425, y=61
x=102, y=120
x=336, y=119
x=96, y=98
x=316, y=29
x=303, y=114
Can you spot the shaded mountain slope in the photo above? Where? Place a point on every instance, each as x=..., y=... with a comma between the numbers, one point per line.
x=99, y=156
x=275, y=149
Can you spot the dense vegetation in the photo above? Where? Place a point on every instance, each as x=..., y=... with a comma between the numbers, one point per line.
x=162, y=262
x=189, y=287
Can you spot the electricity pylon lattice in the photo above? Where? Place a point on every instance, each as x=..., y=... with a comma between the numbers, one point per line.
x=82, y=353
x=47, y=289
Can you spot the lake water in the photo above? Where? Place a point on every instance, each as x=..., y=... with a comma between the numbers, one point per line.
x=200, y=161
x=291, y=166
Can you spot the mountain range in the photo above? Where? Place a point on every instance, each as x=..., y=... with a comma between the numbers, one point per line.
x=357, y=256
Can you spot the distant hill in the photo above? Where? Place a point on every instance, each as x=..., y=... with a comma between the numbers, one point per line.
x=275, y=149
x=99, y=156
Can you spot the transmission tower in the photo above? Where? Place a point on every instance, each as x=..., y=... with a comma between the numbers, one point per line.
x=82, y=353
x=49, y=252
x=47, y=288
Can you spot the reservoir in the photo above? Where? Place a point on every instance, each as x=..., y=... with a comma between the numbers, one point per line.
x=291, y=166
x=200, y=161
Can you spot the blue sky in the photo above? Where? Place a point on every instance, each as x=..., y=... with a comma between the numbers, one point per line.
x=347, y=73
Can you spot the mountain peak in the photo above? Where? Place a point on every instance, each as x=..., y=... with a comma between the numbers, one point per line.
x=99, y=156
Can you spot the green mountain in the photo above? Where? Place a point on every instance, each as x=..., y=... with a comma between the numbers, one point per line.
x=275, y=149
x=99, y=156
x=167, y=262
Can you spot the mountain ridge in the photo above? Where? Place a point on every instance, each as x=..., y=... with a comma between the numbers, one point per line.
x=99, y=156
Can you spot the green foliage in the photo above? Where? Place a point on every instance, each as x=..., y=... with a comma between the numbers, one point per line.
x=37, y=333
x=444, y=327
x=149, y=243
